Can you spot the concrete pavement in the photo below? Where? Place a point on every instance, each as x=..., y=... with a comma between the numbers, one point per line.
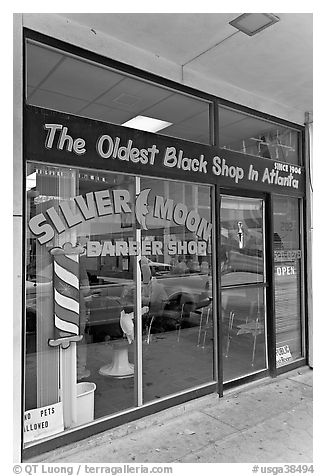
x=266, y=421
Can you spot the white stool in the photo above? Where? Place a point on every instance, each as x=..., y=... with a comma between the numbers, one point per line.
x=120, y=367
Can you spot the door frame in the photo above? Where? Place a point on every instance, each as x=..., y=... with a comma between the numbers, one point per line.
x=268, y=285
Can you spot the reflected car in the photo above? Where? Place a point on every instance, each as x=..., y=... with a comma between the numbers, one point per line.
x=178, y=294
x=105, y=298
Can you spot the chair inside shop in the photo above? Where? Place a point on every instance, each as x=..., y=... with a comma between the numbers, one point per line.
x=174, y=317
x=241, y=322
x=205, y=325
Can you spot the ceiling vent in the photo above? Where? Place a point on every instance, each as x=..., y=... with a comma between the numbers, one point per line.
x=253, y=23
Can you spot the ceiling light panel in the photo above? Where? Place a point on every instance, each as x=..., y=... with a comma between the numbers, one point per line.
x=148, y=124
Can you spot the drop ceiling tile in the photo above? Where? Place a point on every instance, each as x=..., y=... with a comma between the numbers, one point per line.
x=127, y=99
x=176, y=108
x=195, y=129
x=55, y=101
x=107, y=114
x=244, y=131
x=40, y=61
x=141, y=95
x=29, y=92
x=229, y=116
x=81, y=79
x=199, y=122
x=239, y=126
x=192, y=136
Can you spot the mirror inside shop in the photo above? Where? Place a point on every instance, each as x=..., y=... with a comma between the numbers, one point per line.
x=114, y=263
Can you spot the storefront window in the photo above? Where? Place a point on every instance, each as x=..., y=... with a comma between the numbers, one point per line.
x=287, y=279
x=251, y=135
x=110, y=259
x=243, y=286
x=66, y=83
x=66, y=296
x=178, y=344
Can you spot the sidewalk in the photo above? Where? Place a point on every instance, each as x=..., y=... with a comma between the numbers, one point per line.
x=265, y=421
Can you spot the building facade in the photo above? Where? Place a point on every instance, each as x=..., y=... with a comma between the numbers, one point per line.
x=154, y=262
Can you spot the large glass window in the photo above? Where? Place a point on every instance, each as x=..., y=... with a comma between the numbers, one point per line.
x=63, y=82
x=178, y=341
x=287, y=279
x=243, y=286
x=251, y=135
x=70, y=214
x=118, y=294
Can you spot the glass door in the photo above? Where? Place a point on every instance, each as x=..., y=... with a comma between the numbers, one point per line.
x=243, y=282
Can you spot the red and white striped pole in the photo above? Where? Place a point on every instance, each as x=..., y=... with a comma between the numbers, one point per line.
x=66, y=307
x=66, y=295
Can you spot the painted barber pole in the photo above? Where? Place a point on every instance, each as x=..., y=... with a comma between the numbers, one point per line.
x=66, y=295
x=66, y=315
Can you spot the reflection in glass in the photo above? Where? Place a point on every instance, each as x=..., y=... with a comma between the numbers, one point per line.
x=243, y=324
x=178, y=329
x=251, y=135
x=287, y=279
x=241, y=240
x=63, y=82
x=105, y=355
x=243, y=304
x=96, y=213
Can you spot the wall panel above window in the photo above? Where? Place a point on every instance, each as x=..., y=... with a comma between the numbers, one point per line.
x=67, y=83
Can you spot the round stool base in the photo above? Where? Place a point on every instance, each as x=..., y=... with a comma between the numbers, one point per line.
x=120, y=367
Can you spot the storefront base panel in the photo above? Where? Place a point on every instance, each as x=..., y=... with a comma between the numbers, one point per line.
x=135, y=414
x=146, y=410
x=246, y=379
x=292, y=366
